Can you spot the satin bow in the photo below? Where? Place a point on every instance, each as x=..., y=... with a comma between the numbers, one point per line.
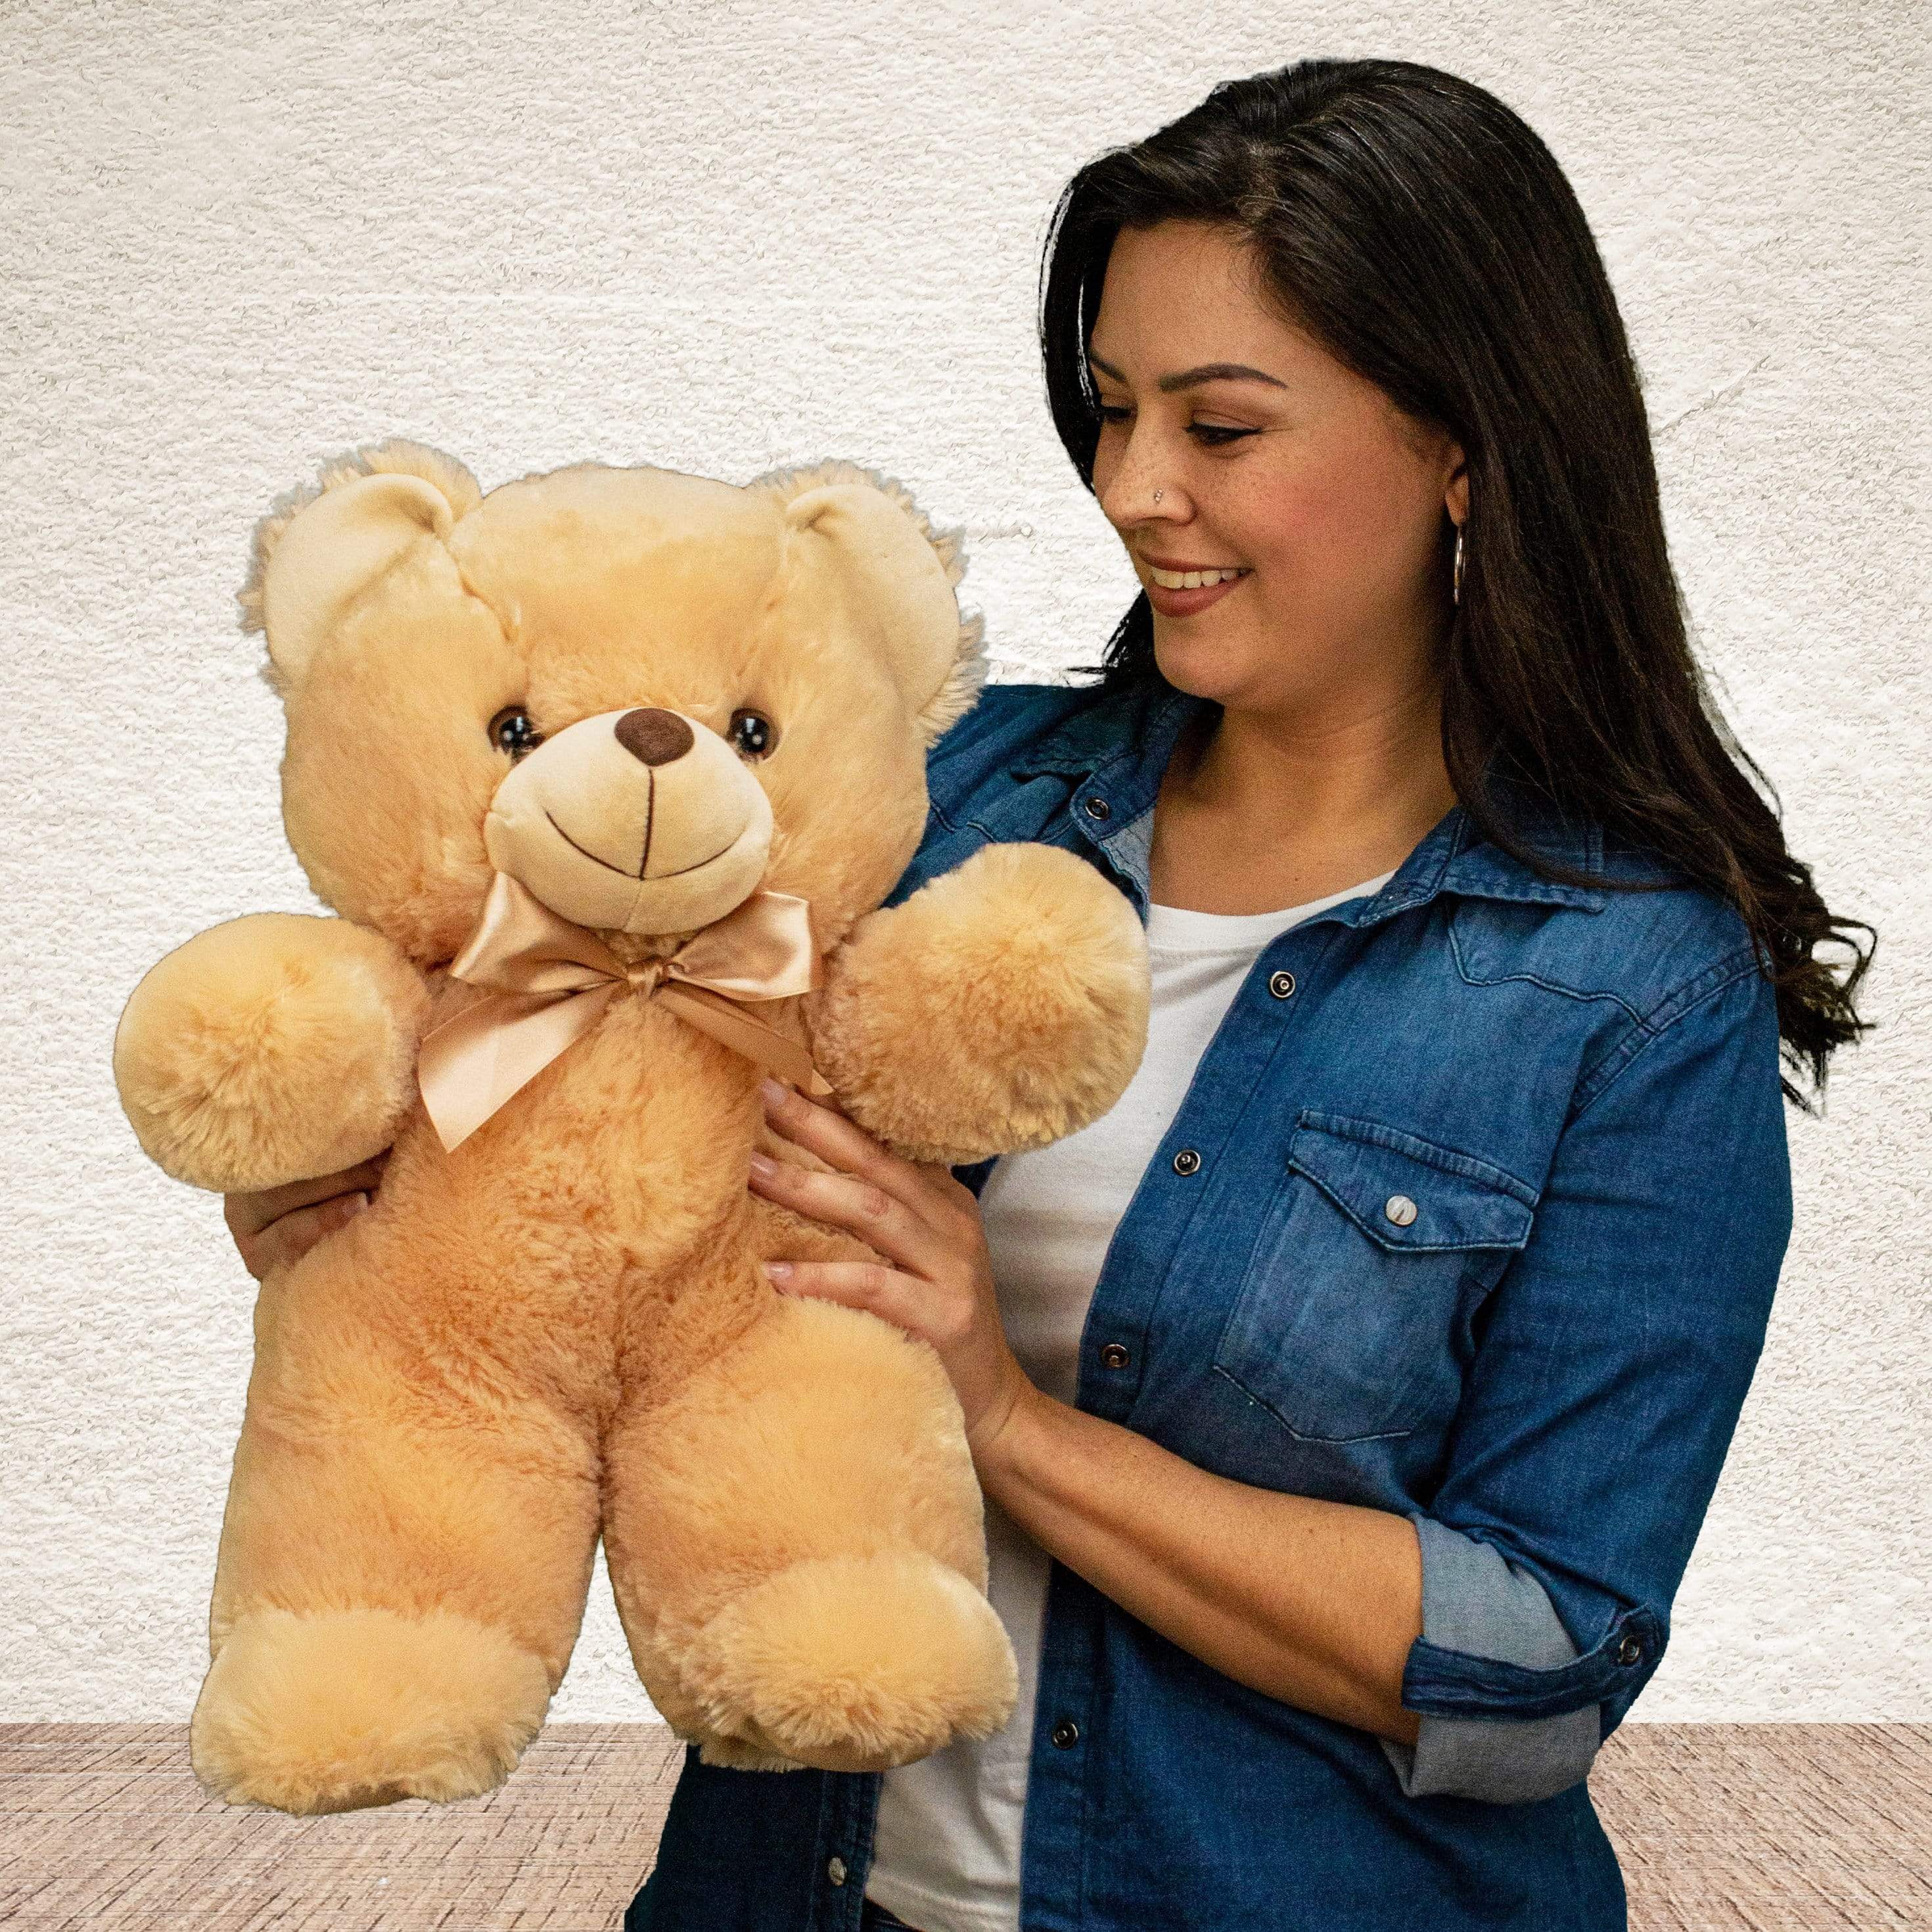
x=551, y=980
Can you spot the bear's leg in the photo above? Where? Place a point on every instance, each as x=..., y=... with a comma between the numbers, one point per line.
x=403, y=1563
x=796, y=1543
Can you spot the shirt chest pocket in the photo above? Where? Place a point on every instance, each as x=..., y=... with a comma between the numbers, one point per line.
x=1350, y=1318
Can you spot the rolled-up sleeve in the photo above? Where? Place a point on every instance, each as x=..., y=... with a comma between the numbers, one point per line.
x=1611, y=1361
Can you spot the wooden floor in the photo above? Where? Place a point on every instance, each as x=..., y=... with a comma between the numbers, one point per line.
x=1762, y=1827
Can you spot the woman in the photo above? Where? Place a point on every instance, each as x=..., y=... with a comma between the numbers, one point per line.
x=1348, y=1399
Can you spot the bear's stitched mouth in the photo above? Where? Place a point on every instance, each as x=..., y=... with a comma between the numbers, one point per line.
x=575, y=847
x=618, y=870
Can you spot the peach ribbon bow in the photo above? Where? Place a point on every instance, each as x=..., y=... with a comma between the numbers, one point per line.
x=551, y=980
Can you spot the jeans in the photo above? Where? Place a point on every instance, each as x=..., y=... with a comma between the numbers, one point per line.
x=875, y=1918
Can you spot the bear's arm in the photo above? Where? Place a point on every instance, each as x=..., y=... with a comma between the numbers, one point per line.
x=270, y=1048
x=1002, y=1006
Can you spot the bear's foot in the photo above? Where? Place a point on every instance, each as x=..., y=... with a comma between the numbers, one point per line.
x=851, y=1663
x=330, y=1710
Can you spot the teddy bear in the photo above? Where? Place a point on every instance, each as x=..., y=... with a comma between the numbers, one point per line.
x=605, y=776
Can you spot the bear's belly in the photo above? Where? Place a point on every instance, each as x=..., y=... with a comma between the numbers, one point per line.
x=601, y=1215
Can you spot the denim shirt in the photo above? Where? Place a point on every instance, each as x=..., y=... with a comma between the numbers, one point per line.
x=1473, y=1212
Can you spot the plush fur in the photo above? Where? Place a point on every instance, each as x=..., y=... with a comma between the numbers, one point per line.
x=561, y=1328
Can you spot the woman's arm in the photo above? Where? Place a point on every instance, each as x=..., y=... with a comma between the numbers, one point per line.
x=1314, y=1603
x=1613, y=1360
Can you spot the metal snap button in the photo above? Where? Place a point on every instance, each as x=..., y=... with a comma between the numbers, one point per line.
x=1065, y=1734
x=834, y=1869
x=1187, y=1162
x=1400, y=1209
x=1114, y=1356
x=1098, y=808
x=1282, y=985
x=1631, y=1651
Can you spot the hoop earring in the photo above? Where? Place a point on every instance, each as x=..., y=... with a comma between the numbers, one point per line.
x=1456, y=590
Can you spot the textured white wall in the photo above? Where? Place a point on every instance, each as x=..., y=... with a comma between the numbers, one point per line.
x=236, y=236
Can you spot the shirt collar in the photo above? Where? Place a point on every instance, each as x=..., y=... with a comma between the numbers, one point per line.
x=1455, y=857
x=1148, y=714
x=1115, y=750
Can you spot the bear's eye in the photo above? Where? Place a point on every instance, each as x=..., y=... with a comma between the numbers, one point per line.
x=752, y=734
x=511, y=731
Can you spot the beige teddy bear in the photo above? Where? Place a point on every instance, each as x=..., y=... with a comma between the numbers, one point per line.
x=642, y=753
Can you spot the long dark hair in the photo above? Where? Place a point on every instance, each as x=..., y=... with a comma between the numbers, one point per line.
x=1418, y=229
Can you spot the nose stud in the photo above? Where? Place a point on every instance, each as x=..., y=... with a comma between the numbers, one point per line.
x=654, y=737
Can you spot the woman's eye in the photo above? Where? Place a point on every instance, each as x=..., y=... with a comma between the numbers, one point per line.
x=1213, y=434
x=511, y=731
x=752, y=734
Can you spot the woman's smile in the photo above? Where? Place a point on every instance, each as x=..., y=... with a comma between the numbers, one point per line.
x=1185, y=603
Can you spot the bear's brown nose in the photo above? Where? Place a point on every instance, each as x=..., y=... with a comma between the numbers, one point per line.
x=654, y=737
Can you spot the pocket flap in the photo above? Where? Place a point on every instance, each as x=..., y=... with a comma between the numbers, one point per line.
x=1407, y=1193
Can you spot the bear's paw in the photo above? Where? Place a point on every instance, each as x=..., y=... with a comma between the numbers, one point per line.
x=853, y=1663
x=333, y=1711
x=1001, y=1007
x=269, y=1048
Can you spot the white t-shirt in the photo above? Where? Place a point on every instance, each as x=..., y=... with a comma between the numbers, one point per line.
x=947, y=1849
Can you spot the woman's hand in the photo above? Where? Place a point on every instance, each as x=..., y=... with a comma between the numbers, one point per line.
x=919, y=1217
x=278, y=1225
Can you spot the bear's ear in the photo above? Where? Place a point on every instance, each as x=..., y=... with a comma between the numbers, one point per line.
x=899, y=568
x=321, y=544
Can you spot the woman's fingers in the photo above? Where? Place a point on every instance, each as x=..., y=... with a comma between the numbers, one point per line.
x=933, y=1193
x=886, y=1201
x=871, y=1285
x=249, y=1214
x=833, y=1138
x=285, y=1240
x=844, y=1201
x=272, y=1226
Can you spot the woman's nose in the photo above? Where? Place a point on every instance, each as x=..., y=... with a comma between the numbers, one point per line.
x=1129, y=497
